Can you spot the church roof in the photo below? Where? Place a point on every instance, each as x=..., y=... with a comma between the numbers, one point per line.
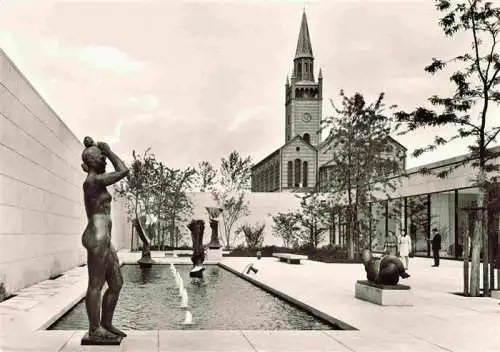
x=304, y=48
x=269, y=156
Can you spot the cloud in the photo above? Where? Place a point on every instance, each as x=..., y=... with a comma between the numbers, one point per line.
x=114, y=137
x=108, y=58
x=246, y=116
x=144, y=102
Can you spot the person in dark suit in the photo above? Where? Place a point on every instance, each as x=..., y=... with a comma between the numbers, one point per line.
x=436, y=246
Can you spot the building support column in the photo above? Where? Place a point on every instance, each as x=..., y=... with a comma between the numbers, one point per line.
x=428, y=234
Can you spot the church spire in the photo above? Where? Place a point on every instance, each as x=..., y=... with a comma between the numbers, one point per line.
x=304, y=48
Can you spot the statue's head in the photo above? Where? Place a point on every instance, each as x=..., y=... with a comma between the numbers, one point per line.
x=92, y=157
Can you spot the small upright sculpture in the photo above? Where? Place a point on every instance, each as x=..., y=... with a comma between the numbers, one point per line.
x=102, y=261
x=383, y=271
x=145, y=261
x=214, y=247
x=197, y=227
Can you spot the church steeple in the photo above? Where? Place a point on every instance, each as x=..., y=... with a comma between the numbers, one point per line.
x=304, y=96
x=304, y=47
x=303, y=68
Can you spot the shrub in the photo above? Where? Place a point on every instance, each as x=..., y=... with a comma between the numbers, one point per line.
x=254, y=235
x=327, y=254
x=3, y=292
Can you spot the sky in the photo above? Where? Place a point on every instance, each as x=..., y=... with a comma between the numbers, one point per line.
x=195, y=80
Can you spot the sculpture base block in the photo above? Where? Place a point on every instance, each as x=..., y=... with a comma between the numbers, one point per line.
x=214, y=254
x=146, y=262
x=87, y=340
x=384, y=295
x=495, y=294
x=197, y=272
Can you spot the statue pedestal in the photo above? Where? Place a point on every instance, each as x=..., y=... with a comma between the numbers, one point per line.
x=95, y=341
x=146, y=261
x=495, y=294
x=384, y=295
x=214, y=254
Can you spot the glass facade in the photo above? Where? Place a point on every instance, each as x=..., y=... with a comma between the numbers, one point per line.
x=420, y=214
x=417, y=224
x=378, y=225
x=466, y=199
x=443, y=219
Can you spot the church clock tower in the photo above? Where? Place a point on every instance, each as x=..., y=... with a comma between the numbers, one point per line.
x=304, y=95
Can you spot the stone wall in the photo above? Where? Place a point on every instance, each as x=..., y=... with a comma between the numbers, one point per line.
x=42, y=216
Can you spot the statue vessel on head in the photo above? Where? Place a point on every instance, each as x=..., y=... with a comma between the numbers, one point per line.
x=102, y=261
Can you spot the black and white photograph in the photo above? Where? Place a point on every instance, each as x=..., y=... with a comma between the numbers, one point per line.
x=249, y=175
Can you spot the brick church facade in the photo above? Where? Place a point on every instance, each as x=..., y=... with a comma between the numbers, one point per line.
x=303, y=161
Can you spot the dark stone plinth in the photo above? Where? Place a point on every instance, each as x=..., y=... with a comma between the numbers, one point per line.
x=146, y=262
x=197, y=273
x=96, y=341
x=214, y=240
x=383, y=287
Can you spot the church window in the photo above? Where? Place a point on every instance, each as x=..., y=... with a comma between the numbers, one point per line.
x=297, y=172
x=304, y=171
x=270, y=181
x=307, y=138
x=276, y=175
x=290, y=174
x=297, y=149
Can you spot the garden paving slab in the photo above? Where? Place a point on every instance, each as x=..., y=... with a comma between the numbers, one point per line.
x=293, y=340
x=203, y=340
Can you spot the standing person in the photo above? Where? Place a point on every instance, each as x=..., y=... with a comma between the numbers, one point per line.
x=405, y=247
x=436, y=246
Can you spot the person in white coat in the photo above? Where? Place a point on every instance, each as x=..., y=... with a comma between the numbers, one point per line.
x=405, y=247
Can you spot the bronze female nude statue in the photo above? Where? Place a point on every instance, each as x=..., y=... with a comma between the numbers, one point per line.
x=102, y=261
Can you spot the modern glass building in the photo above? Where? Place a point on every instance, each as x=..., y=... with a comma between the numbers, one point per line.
x=423, y=202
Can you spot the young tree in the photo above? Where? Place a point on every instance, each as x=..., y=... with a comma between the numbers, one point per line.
x=363, y=159
x=314, y=216
x=235, y=207
x=254, y=234
x=177, y=204
x=235, y=173
x=206, y=176
x=286, y=226
x=136, y=188
x=476, y=79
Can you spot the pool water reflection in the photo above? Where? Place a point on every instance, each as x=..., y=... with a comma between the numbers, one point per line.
x=150, y=300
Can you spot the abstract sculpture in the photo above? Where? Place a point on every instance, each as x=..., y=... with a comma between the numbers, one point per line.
x=145, y=261
x=385, y=270
x=102, y=261
x=197, y=227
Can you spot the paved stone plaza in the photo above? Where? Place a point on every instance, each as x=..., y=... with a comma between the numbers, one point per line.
x=438, y=320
